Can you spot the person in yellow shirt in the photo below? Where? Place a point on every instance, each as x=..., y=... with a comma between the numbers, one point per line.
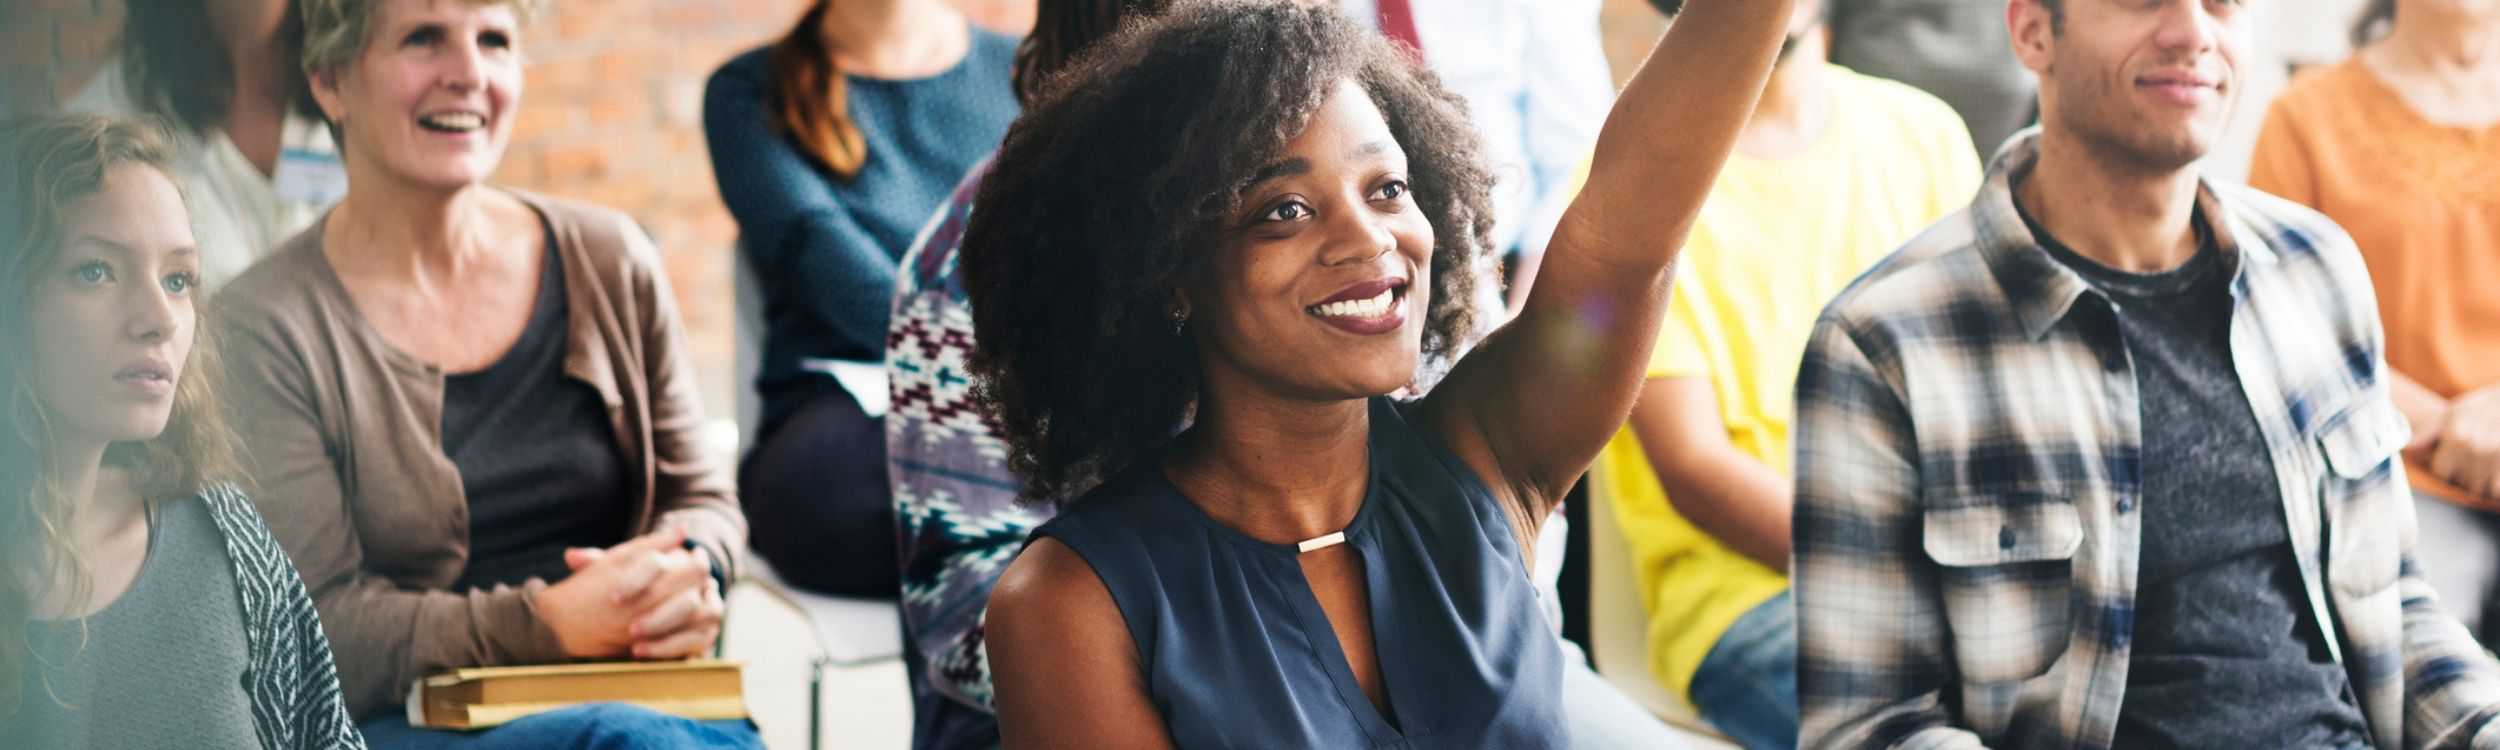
x=1833, y=171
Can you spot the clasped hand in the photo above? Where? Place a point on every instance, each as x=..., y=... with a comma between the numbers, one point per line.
x=648, y=598
x=2462, y=446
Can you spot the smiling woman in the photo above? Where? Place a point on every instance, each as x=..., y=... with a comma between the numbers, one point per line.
x=1204, y=258
x=471, y=406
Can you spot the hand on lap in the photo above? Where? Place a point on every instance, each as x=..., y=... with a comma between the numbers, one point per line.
x=648, y=598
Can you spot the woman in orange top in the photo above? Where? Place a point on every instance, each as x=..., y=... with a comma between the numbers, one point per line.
x=2399, y=144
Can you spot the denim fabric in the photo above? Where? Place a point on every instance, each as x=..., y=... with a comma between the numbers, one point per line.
x=1747, y=686
x=599, y=726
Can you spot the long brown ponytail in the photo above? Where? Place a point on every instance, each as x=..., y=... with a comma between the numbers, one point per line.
x=812, y=105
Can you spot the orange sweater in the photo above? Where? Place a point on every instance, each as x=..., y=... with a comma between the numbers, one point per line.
x=2423, y=202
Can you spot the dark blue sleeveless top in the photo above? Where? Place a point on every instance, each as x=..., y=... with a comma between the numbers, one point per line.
x=1238, y=654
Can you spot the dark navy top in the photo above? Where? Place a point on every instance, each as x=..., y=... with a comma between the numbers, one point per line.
x=1238, y=653
x=824, y=248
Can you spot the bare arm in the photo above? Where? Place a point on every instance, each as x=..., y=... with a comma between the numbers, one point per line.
x=1725, y=493
x=1531, y=407
x=1061, y=660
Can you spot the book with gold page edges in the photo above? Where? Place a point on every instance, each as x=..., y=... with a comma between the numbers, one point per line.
x=482, y=697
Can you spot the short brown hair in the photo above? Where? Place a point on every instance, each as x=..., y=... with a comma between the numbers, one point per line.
x=335, y=31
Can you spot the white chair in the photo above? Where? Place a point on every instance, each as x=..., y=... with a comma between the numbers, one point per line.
x=848, y=632
x=1618, y=627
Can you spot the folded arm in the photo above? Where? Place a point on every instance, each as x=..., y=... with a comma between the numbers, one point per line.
x=1725, y=493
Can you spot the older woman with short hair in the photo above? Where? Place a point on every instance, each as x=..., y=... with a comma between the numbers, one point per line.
x=471, y=411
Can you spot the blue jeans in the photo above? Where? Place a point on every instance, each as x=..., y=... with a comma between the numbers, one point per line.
x=598, y=726
x=1747, y=686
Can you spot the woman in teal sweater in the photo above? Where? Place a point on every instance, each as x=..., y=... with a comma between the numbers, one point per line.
x=832, y=147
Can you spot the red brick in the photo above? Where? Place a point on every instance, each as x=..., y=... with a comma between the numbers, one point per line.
x=620, y=107
x=566, y=162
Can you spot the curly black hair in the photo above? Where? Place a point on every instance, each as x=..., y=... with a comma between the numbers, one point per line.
x=1120, y=178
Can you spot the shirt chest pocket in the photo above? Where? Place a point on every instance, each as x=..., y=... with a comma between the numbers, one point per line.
x=2005, y=572
x=2370, y=510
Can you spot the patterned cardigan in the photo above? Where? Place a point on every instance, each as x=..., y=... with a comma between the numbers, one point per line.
x=954, y=499
x=292, y=681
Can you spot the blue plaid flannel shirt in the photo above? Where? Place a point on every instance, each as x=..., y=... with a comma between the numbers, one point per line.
x=1968, y=473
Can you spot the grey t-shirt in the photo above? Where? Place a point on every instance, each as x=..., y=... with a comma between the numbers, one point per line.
x=537, y=457
x=2225, y=652
x=163, y=666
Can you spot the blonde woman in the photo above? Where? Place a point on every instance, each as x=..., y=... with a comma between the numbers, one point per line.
x=472, y=415
x=143, y=603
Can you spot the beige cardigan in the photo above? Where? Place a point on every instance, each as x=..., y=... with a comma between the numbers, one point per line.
x=344, y=435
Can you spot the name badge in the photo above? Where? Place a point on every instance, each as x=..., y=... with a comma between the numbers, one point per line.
x=310, y=177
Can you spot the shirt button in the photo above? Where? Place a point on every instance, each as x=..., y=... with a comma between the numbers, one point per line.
x=2005, y=538
x=2126, y=505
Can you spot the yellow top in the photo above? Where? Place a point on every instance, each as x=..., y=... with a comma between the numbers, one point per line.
x=1776, y=241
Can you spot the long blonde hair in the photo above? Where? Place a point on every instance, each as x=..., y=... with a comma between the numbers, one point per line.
x=46, y=165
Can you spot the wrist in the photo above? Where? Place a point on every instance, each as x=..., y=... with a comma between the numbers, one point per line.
x=712, y=566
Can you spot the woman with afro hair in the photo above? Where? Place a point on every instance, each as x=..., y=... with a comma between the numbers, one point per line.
x=1207, y=254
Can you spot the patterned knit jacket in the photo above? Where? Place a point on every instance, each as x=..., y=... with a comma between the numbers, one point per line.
x=954, y=498
x=293, y=682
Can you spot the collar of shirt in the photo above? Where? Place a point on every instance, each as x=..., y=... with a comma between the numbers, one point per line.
x=2043, y=291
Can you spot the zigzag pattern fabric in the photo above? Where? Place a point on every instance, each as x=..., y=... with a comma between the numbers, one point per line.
x=954, y=499
x=292, y=680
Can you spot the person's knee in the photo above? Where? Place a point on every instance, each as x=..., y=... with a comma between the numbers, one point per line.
x=620, y=726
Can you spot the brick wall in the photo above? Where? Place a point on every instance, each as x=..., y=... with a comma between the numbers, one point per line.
x=612, y=114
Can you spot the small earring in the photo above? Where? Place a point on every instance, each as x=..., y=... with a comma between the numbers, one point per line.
x=1180, y=320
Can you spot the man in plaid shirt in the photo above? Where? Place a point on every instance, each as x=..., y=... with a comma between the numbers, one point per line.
x=2108, y=458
